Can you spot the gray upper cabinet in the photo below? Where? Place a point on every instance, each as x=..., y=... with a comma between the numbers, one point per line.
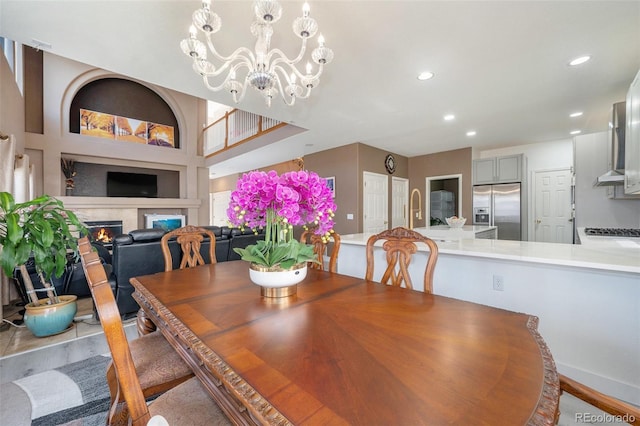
x=497, y=169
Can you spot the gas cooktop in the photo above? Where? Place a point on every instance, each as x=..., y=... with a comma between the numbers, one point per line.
x=613, y=232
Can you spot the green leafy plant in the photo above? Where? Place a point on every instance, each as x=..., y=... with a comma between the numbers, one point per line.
x=41, y=228
x=284, y=254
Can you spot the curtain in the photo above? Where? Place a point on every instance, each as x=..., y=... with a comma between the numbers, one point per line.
x=7, y=159
x=21, y=179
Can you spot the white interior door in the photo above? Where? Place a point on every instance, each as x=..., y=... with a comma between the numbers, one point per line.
x=219, y=206
x=399, y=201
x=553, y=222
x=375, y=203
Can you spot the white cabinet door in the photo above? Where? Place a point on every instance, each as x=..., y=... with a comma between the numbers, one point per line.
x=504, y=169
x=509, y=169
x=484, y=171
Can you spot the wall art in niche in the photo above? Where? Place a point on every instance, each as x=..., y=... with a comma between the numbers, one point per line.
x=99, y=124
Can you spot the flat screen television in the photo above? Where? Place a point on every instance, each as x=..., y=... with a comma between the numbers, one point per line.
x=168, y=222
x=120, y=184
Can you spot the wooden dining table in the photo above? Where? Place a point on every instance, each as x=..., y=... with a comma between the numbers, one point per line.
x=343, y=350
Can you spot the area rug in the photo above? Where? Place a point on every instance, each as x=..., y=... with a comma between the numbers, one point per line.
x=74, y=394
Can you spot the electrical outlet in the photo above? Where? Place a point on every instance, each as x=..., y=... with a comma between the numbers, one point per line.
x=498, y=283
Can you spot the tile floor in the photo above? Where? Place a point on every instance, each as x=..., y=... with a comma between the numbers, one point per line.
x=19, y=339
x=22, y=354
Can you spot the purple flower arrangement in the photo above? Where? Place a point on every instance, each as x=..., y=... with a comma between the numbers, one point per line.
x=277, y=203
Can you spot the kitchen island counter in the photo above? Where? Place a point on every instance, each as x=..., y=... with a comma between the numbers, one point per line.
x=613, y=258
x=446, y=233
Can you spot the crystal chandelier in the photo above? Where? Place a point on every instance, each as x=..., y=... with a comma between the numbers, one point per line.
x=269, y=71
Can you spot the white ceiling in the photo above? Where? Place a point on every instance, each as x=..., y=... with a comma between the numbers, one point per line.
x=501, y=67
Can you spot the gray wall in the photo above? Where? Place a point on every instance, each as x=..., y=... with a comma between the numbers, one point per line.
x=593, y=207
x=91, y=179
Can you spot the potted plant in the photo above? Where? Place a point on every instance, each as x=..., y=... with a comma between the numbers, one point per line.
x=69, y=169
x=44, y=230
x=277, y=204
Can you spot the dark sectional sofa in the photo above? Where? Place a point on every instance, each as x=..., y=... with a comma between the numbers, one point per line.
x=139, y=253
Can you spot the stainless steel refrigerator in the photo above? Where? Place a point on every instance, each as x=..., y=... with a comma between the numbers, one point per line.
x=499, y=205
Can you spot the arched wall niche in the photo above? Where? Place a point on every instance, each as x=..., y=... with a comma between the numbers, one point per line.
x=124, y=98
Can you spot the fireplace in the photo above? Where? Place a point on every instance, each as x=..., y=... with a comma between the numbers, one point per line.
x=104, y=230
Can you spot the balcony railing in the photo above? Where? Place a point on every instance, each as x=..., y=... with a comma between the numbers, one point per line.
x=235, y=128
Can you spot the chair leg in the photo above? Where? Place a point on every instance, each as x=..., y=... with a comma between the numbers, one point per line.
x=118, y=412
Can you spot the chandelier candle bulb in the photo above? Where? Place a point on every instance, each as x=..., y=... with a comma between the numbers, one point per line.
x=265, y=67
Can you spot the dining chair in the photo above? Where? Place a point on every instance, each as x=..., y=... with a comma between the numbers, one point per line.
x=190, y=239
x=628, y=413
x=183, y=400
x=320, y=247
x=399, y=245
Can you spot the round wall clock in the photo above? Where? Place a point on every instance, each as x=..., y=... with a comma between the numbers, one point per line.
x=390, y=163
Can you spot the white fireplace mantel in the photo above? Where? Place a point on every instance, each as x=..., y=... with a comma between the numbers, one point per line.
x=125, y=202
x=127, y=209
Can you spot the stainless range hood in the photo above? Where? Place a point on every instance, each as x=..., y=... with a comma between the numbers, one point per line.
x=617, y=128
x=610, y=178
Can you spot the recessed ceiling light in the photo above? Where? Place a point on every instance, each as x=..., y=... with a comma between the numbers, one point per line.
x=580, y=60
x=575, y=114
x=576, y=132
x=449, y=117
x=426, y=75
x=471, y=133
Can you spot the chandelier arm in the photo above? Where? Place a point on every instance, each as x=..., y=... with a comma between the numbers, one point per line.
x=225, y=66
x=307, y=93
x=205, y=79
x=224, y=82
x=286, y=97
x=293, y=100
x=242, y=61
x=275, y=70
x=243, y=92
x=237, y=52
x=292, y=67
x=317, y=75
x=283, y=58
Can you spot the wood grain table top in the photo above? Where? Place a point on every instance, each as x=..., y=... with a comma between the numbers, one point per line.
x=347, y=351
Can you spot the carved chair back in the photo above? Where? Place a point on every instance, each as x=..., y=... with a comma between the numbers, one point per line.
x=399, y=245
x=190, y=239
x=320, y=247
x=127, y=379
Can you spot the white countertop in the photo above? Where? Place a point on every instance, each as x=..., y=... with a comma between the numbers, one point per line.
x=447, y=233
x=622, y=259
x=601, y=242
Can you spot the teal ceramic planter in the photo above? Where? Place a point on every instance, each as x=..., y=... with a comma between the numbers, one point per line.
x=46, y=320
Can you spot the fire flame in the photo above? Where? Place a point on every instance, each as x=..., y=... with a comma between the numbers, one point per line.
x=103, y=236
